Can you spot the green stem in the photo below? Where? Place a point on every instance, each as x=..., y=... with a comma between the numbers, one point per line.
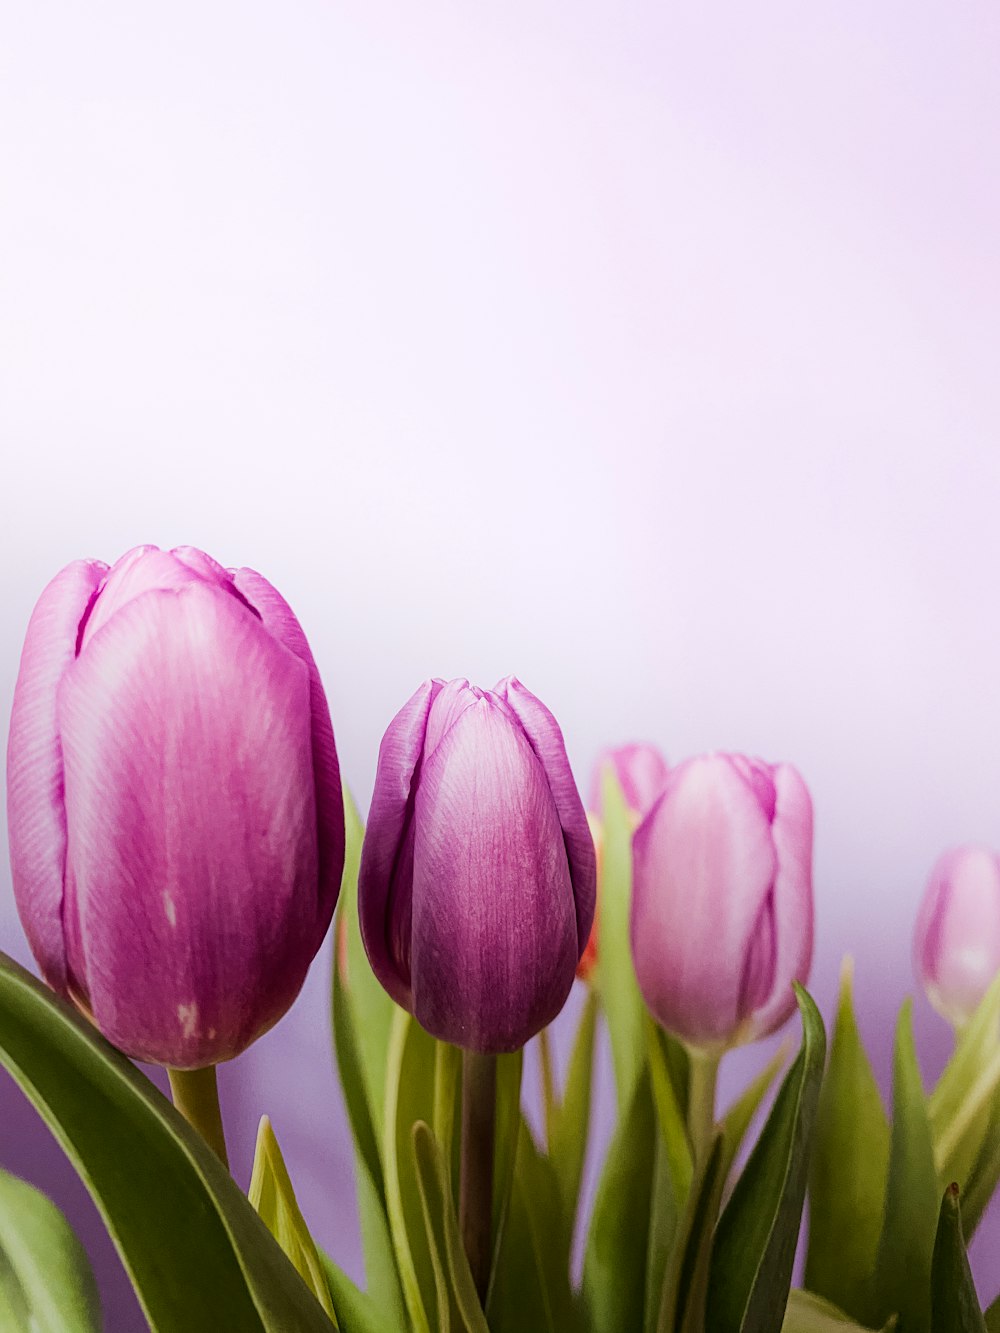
x=196, y=1096
x=548, y=1084
x=475, y=1196
x=701, y=1102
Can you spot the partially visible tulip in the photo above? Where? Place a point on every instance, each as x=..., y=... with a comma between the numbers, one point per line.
x=641, y=771
x=476, y=889
x=956, y=946
x=174, y=802
x=722, y=909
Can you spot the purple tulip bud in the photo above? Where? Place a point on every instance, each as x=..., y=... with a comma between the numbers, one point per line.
x=174, y=801
x=641, y=771
x=722, y=910
x=476, y=890
x=956, y=944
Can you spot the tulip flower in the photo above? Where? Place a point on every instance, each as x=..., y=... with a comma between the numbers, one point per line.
x=174, y=801
x=722, y=912
x=957, y=936
x=476, y=889
x=641, y=771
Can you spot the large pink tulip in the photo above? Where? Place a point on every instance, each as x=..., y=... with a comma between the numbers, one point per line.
x=957, y=937
x=174, y=801
x=476, y=890
x=722, y=908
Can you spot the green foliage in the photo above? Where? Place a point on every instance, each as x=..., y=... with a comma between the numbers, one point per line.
x=46, y=1285
x=903, y=1263
x=272, y=1195
x=809, y=1313
x=685, y=1288
x=757, y=1233
x=568, y=1121
x=849, y=1170
x=615, y=973
x=198, y=1255
x=954, y=1304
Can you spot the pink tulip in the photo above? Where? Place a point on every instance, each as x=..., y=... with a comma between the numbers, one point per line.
x=722, y=910
x=476, y=890
x=174, y=801
x=957, y=937
x=641, y=771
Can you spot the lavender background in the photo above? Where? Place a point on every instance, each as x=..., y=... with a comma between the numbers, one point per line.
x=647, y=350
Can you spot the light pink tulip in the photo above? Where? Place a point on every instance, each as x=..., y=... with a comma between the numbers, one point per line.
x=957, y=938
x=722, y=909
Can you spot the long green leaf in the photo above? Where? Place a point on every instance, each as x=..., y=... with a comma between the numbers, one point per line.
x=509, y=1123
x=757, y=1233
x=357, y=1312
x=571, y=1121
x=960, y=1106
x=272, y=1195
x=444, y=1240
x=739, y=1117
x=809, y=1313
x=615, y=973
x=198, y=1255
x=903, y=1263
x=671, y=1114
x=614, y=1269
x=685, y=1288
x=992, y=1317
x=46, y=1285
x=850, y=1164
x=954, y=1303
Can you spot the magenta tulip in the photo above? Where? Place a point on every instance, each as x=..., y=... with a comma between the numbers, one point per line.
x=174, y=801
x=476, y=889
x=957, y=937
x=641, y=771
x=722, y=910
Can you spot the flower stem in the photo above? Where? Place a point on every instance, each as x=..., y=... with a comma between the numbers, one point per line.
x=196, y=1096
x=701, y=1102
x=548, y=1084
x=447, y=1061
x=475, y=1197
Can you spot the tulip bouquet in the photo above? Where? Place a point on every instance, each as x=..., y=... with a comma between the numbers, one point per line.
x=180, y=844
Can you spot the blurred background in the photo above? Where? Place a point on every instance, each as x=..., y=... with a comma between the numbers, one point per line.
x=647, y=351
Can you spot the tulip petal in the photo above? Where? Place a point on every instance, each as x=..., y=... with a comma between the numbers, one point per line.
x=703, y=867
x=280, y=620
x=494, y=934
x=641, y=771
x=35, y=812
x=138, y=571
x=389, y=820
x=546, y=740
x=191, y=827
x=792, y=831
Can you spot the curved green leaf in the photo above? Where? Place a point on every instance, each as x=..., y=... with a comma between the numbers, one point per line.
x=903, y=1263
x=961, y=1104
x=685, y=1288
x=809, y=1313
x=357, y=1312
x=850, y=1164
x=272, y=1195
x=465, y=1314
x=570, y=1120
x=739, y=1117
x=46, y=1285
x=757, y=1233
x=954, y=1303
x=198, y=1255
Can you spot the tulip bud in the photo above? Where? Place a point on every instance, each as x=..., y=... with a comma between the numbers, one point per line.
x=476, y=889
x=722, y=913
x=641, y=771
x=956, y=944
x=174, y=801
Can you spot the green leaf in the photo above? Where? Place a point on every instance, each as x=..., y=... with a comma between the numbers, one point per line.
x=614, y=1268
x=198, y=1255
x=809, y=1313
x=985, y=1174
x=954, y=1303
x=409, y=1098
x=903, y=1263
x=615, y=973
x=570, y=1121
x=357, y=1311
x=850, y=1164
x=456, y=1289
x=670, y=1114
x=993, y=1317
x=46, y=1285
x=739, y=1117
x=272, y=1195
x=664, y=1218
x=961, y=1104
x=685, y=1287
x=506, y=1135
x=757, y=1233
x=531, y=1289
